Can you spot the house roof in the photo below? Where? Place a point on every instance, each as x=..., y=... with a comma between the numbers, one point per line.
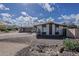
x=64, y=25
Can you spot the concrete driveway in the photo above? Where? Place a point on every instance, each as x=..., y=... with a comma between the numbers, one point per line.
x=14, y=35
x=10, y=49
x=10, y=43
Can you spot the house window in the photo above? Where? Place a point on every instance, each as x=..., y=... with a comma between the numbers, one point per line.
x=43, y=29
x=60, y=30
x=39, y=30
x=57, y=30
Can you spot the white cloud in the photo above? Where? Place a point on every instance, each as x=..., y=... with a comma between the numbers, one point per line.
x=66, y=17
x=29, y=21
x=50, y=19
x=2, y=7
x=7, y=19
x=6, y=15
x=60, y=17
x=43, y=20
x=23, y=13
x=70, y=18
x=26, y=21
x=77, y=17
x=47, y=6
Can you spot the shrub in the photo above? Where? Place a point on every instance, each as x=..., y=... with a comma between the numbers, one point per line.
x=6, y=30
x=71, y=44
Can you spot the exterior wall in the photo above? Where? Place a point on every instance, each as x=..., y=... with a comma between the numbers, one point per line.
x=53, y=29
x=39, y=28
x=71, y=32
x=47, y=29
x=43, y=29
x=60, y=30
x=77, y=33
x=24, y=29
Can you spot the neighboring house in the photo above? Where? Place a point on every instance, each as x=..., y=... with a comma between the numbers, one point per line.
x=26, y=29
x=53, y=30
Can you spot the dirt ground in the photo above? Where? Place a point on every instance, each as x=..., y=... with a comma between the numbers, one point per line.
x=11, y=43
x=10, y=49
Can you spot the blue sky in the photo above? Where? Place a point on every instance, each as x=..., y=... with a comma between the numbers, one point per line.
x=26, y=13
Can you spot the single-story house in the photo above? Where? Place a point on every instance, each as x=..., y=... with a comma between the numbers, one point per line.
x=26, y=29
x=54, y=30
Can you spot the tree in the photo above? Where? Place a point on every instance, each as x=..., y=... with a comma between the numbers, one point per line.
x=2, y=26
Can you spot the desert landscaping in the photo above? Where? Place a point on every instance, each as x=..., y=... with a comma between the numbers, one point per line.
x=26, y=44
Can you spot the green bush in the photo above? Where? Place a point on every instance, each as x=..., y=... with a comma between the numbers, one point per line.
x=71, y=44
x=6, y=30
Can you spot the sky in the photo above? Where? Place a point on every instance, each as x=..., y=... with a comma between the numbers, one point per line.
x=28, y=14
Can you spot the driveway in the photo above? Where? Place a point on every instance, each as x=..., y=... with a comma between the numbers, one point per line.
x=10, y=49
x=14, y=35
x=11, y=43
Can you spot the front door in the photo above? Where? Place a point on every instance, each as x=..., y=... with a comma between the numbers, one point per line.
x=64, y=32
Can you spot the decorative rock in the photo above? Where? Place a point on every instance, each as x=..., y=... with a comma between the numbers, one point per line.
x=61, y=49
x=67, y=53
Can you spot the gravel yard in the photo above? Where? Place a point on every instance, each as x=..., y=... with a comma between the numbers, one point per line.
x=42, y=47
x=26, y=44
